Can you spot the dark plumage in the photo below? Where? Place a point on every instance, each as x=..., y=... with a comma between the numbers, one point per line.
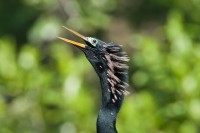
x=117, y=70
x=110, y=63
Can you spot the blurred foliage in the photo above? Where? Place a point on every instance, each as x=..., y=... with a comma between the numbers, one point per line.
x=47, y=86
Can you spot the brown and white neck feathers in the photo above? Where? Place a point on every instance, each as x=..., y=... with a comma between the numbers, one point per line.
x=117, y=73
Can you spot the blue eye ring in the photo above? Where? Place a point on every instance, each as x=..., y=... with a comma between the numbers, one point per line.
x=92, y=41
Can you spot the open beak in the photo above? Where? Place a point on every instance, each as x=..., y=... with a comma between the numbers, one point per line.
x=73, y=42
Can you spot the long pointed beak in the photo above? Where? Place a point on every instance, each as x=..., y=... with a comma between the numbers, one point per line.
x=73, y=42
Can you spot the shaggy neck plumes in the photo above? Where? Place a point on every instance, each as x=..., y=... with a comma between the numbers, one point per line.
x=113, y=85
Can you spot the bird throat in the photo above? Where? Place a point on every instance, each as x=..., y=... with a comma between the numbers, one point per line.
x=106, y=121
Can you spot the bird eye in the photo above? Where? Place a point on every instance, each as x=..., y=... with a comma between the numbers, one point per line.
x=92, y=41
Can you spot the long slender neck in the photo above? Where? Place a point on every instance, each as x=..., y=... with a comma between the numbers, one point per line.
x=106, y=120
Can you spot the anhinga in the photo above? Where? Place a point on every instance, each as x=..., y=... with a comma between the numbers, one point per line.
x=109, y=61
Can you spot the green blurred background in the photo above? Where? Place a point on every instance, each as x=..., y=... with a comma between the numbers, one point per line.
x=47, y=86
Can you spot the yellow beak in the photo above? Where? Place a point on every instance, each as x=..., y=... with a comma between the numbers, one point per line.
x=73, y=42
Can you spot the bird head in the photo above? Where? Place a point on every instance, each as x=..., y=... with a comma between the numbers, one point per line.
x=93, y=48
x=108, y=59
